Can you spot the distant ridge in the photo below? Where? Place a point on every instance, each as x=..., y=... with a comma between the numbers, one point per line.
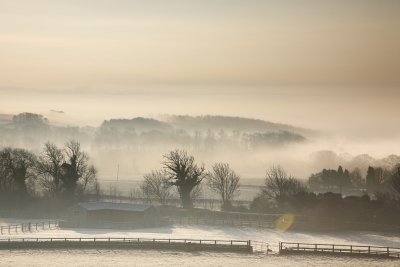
x=139, y=124
x=230, y=123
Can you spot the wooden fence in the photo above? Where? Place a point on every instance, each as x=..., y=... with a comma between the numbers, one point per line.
x=234, y=222
x=28, y=227
x=127, y=243
x=353, y=250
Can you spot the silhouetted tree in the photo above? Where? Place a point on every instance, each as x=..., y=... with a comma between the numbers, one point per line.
x=395, y=182
x=65, y=170
x=156, y=185
x=89, y=178
x=49, y=168
x=340, y=178
x=331, y=180
x=280, y=187
x=183, y=173
x=224, y=182
x=371, y=179
x=75, y=168
x=16, y=167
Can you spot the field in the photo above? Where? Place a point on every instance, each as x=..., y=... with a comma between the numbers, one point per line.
x=168, y=258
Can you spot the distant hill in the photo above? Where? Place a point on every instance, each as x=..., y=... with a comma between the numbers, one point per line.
x=138, y=124
x=249, y=125
x=201, y=132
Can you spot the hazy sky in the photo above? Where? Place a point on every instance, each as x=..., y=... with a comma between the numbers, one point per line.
x=324, y=64
x=120, y=44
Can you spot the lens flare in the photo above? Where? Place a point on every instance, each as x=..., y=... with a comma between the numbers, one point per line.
x=285, y=222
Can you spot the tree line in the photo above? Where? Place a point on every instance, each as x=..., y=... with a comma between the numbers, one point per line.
x=56, y=172
x=377, y=179
x=65, y=173
x=179, y=171
x=379, y=203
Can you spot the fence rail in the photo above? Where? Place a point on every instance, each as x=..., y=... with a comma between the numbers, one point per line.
x=356, y=250
x=223, y=222
x=28, y=227
x=127, y=243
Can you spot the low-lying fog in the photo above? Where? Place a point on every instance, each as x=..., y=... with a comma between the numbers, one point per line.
x=328, y=129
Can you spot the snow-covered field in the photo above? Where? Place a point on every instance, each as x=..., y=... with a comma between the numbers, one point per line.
x=226, y=233
x=97, y=258
x=167, y=258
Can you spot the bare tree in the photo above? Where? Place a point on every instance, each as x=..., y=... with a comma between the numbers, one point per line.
x=88, y=181
x=280, y=187
x=183, y=173
x=49, y=169
x=156, y=185
x=76, y=169
x=223, y=181
x=65, y=170
x=16, y=168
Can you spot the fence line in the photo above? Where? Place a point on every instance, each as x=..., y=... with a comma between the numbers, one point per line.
x=356, y=250
x=222, y=221
x=127, y=243
x=28, y=227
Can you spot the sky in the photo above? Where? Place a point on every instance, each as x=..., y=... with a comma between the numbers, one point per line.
x=329, y=65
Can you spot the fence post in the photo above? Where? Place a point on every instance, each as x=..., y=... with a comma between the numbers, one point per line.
x=369, y=250
x=315, y=247
x=333, y=248
x=351, y=249
x=388, y=254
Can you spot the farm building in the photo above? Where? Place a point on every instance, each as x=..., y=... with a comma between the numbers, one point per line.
x=111, y=215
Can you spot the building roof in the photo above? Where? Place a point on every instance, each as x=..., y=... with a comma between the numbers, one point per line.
x=113, y=206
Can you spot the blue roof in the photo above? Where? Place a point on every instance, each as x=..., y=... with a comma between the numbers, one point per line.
x=113, y=206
